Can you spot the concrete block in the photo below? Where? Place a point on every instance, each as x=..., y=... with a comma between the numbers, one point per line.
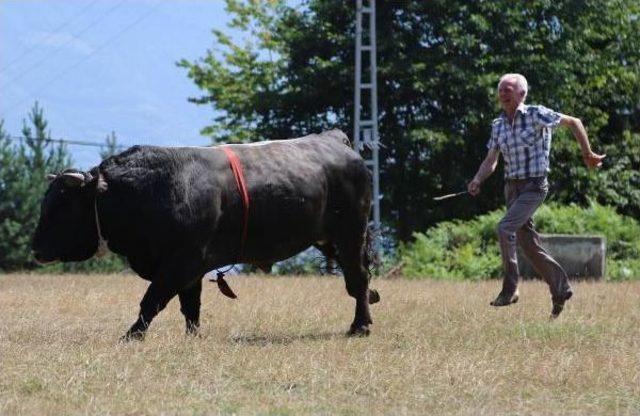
x=582, y=256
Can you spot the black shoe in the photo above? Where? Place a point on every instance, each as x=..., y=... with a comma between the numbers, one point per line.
x=505, y=300
x=558, y=304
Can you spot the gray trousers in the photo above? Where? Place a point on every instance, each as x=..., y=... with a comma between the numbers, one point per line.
x=524, y=196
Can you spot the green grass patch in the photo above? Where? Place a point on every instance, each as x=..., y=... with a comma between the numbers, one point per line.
x=457, y=250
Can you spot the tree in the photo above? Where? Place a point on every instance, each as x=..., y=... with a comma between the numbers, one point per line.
x=111, y=146
x=439, y=62
x=23, y=170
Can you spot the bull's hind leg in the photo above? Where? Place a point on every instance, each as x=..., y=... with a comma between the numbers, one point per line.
x=356, y=275
x=331, y=253
x=190, y=306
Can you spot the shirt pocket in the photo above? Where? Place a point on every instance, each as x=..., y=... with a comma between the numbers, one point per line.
x=529, y=136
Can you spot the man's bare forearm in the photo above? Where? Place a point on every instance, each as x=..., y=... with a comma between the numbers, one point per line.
x=592, y=160
x=580, y=133
x=487, y=167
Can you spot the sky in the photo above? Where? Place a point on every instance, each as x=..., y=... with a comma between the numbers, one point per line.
x=97, y=66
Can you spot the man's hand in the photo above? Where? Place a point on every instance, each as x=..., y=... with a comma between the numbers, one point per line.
x=592, y=160
x=474, y=187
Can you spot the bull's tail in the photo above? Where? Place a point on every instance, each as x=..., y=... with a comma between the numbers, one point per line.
x=368, y=252
x=371, y=259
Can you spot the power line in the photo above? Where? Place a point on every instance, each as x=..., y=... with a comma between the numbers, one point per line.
x=73, y=37
x=50, y=36
x=98, y=49
x=65, y=141
x=80, y=142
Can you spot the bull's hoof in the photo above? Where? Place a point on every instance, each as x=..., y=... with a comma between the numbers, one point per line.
x=374, y=296
x=359, y=331
x=193, y=331
x=503, y=300
x=133, y=336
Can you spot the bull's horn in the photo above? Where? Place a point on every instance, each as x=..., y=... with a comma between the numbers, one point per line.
x=73, y=179
x=51, y=176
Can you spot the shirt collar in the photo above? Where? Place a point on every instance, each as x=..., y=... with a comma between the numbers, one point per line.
x=522, y=108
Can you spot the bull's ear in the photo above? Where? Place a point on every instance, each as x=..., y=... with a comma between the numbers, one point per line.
x=101, y=183
x=51, y=177
x=73, y=179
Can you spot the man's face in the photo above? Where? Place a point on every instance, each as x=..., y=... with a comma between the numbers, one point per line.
x=509, y=95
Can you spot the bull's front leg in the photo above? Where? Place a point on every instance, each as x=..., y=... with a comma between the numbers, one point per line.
x=190, y=306
x=158, y=294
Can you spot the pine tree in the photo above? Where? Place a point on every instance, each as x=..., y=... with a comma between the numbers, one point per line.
x=23, y=170
x=111, y=146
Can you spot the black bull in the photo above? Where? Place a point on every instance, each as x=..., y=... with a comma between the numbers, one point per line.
x=176, y=213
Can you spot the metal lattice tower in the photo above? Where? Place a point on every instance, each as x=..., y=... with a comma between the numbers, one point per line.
x=365, y=112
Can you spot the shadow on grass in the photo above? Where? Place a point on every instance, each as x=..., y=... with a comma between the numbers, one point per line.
x=284, y=339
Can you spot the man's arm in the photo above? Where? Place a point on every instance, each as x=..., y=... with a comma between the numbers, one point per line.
x=485, y=170
x=591, y=159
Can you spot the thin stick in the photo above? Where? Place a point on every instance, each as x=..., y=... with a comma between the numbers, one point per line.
x=440, y=198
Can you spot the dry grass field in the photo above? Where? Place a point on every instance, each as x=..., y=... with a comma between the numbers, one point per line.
x=436, y=348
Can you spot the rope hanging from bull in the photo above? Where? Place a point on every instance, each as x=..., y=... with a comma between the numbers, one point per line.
x=236, y=168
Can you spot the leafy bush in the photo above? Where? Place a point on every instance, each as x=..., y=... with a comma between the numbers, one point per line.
x=111, y=263
x=469, y=249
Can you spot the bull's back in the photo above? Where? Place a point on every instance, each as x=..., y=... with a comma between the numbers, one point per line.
x=296, y=185
x=189, y=195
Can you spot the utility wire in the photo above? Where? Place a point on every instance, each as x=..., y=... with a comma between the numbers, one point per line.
x=72, y=142
x=50, y=36
x=65, y=141
x=98, y=49
x=47, y=57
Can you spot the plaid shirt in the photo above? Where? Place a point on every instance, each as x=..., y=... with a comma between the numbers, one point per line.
x=525, y=144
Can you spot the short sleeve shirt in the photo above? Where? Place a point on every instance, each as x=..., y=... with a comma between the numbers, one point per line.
x=526, y=142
